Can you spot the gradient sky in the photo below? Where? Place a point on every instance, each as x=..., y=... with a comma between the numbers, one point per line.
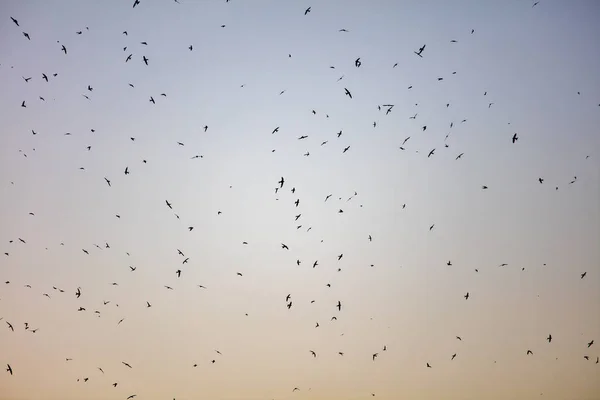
x=531, y=62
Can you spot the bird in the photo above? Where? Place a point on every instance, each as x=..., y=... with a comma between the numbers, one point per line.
x=529, y=352
x=466, y=296
x=549, y=338
x=307, y=11
x=313, y=354
x=420, y=51
x=453, y=356
x=145, y=59
x=135, y=3
x=375, y=356
x=583, y=275
x=15, y=21
x=590, y=344
x=515, y=138
x=26, y=35
x=64, y=49
x=9, y=369
x=348, y=94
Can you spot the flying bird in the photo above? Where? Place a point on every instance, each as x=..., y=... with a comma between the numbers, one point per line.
x=420, y=51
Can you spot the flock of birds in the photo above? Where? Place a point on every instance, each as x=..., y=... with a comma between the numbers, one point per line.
x=279, y=186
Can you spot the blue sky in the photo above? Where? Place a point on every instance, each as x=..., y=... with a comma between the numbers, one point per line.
x=525, y=70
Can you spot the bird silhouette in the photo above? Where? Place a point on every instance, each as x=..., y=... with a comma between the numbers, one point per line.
x=421, y=49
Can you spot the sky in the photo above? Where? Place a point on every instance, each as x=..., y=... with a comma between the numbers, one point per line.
x=416, y=230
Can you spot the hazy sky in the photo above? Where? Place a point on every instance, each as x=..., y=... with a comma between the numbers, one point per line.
x=526, y=70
